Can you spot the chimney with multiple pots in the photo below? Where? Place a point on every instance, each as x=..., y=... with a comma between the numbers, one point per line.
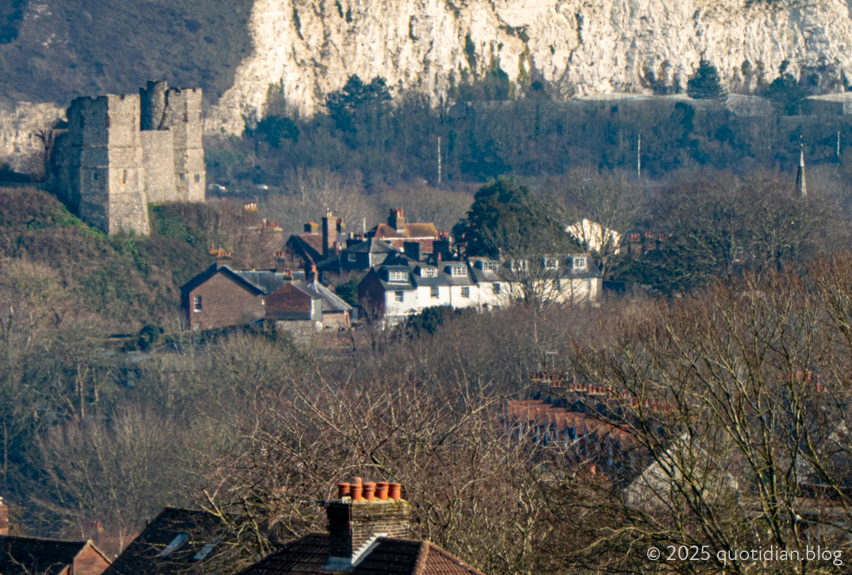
x=362, y=512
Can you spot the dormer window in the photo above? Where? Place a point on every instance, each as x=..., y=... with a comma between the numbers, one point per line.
x=457, y=271
x=520, y=266
x=176, y=544
x=428, y=272
x=550, y=263
x=488, y=266
x=397, y=276
x=580, y=263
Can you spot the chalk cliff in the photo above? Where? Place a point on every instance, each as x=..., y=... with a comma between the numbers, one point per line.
x=310, y=48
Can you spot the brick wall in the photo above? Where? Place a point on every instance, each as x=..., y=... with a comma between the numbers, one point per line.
x=223, y=303
x=351, y=524
x=289, y=303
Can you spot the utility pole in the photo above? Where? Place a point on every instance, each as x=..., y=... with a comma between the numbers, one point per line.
x=439, y=160
x=639, y=157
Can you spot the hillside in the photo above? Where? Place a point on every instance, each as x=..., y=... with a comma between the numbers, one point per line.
x=54, y=51
x=125, y=282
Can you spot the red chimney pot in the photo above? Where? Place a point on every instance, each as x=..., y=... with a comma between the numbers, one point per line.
x=395, y=491
x=343, y=490
x=356, y=492
x=370, y=491
x=382, y=490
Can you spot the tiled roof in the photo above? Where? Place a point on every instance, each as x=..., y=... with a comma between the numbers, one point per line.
x=308, y=555
x=412, y=230
x=212, y=271
x=31, y=555
x=143, y=555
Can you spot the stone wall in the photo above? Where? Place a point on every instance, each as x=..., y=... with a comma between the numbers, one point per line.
x=158, y=159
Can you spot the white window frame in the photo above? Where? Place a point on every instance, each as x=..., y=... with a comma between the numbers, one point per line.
x=579, y=263
x=434, y=292
x=431, y=272
x=197, y=303
x=397, y=276
x=458, y=271
x=490, y=266
x=520, y=266
x=399, y=296
x=551, y=262
x=465, y=292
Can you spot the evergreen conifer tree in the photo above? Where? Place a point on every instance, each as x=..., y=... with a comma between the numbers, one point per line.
x=705, y=84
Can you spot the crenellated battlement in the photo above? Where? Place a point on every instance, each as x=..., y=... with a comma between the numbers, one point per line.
x=121, y=152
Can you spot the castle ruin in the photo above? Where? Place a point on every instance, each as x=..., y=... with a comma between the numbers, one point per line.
x=122, y=152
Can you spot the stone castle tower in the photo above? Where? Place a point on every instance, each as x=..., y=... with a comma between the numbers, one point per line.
x=121, y=152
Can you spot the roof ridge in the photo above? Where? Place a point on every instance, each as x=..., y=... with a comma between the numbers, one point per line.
x=49, y=539
x=422, y=556
x=455, y=559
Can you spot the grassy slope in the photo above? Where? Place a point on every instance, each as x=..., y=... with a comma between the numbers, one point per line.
x=88, y=47
x=128, y=282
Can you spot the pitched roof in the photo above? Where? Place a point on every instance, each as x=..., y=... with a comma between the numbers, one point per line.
x=212, y=271
x=144, y=555
x=310, y=244
x=411, y=230
x=29, y=555
x=308, y=555
x=371, y=245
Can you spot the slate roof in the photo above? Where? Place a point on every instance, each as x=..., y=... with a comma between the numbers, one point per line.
x=331, y=302
x=212, y=271
x=411, y=230
x=371, y=245
x=142, y=556
x=31, y=555
x=310, y=243
x=309, y=554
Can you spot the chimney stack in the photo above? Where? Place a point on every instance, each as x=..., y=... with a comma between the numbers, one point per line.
x=281, y=262
x=218, y=256
x=311, y=227
x=311, y=274
x=412, y=250
x=329, y=235
x=354, y=522
x=4, y=518
x=397, y=220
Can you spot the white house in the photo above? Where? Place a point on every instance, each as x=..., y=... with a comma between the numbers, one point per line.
x=404, y=287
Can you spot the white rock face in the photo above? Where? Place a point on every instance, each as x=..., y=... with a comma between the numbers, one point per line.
x=19, y=145
x=583, y=47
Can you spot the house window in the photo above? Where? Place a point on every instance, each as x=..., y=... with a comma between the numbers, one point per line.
x=94, y=176
x=183, y=177
x=196, y=326
x=495, y=288
x=123, y=176
x=397, y=276
x=551, y=263
x=196, y=303
x=558, y=285
x=198, y=178
x=399, y=296
x=580, y=263
x=458, y=271
x=431, y=273
x=519, y=265
x=205, y=551
x=465, y=292
x=351, y=257
x=489, y=266
x=433, y=292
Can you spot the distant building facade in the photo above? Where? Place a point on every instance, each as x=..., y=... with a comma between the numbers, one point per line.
x=121, y=152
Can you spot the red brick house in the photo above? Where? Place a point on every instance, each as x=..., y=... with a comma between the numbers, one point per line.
x=219, y=297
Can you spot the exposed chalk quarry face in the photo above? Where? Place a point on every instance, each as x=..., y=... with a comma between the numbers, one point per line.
x=305, y=49
x=310, y=48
